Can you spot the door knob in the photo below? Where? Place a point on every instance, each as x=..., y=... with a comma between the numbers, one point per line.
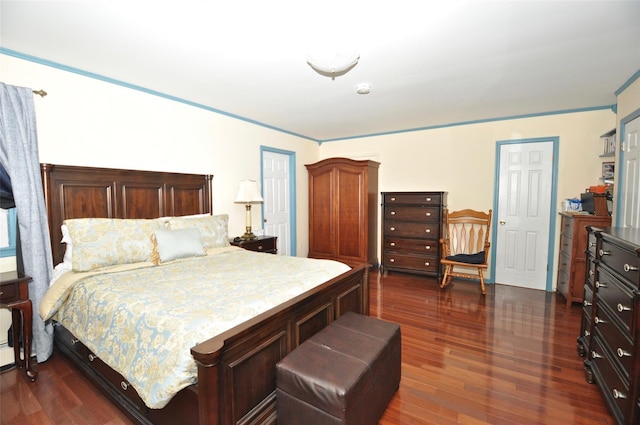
x=503, y=222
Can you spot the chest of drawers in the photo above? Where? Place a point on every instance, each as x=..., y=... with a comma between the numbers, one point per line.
x=412, y=224
x=612, y=332
x=571, y=259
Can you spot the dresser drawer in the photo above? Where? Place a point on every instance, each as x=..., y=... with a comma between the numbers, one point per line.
x=617, y=340
x=616, y=296
x=92, y=361
x=116, y=380
x=566, y=242
x=412, y=230
x=566, y=227
x=612, y=385
x=625, y=263
x=412, y=198
x=417, y=213
x=10, y=292
x=414, y=262
x=416, y=246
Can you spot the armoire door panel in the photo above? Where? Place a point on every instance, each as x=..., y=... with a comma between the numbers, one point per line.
x=343, y=197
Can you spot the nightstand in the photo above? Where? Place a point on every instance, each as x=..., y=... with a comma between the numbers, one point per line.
x=266, y=244
x=14, y=294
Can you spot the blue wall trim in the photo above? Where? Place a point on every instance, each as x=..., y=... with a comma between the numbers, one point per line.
x=45, y=62
x=630, y=81
x=10, y=251
x=461, y=123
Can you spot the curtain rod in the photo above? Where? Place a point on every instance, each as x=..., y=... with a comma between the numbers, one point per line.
x=40, y=92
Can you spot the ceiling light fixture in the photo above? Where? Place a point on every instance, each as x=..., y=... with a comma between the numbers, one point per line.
x=333, y=65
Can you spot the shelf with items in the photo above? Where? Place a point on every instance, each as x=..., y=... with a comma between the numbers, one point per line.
x=608, y=140
x=609, y=144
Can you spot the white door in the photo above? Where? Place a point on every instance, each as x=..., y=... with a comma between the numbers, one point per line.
x=276, y=183
x=522, y=222
x=630, y=188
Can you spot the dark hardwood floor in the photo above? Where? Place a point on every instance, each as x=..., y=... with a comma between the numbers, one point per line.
x=508, y=357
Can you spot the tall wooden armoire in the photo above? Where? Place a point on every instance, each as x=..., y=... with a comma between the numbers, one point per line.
x=343, y=210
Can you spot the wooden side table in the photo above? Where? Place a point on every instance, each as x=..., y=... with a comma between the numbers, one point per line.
x=14, y=294
x=266, y=244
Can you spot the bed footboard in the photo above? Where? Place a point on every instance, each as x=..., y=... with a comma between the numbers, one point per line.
x=236, y=370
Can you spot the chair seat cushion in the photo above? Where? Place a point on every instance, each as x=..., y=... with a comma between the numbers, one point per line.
x=477, y=258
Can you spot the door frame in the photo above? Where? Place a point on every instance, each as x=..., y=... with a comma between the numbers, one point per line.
x=293, y=243
x=552, y=211
x=620, y=163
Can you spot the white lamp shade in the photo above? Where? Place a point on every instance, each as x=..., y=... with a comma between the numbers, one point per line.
x=248, y=193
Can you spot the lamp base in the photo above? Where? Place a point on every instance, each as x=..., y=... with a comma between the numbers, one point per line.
x=248, y=235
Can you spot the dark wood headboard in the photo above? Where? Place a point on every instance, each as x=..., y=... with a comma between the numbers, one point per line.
x=82, y=192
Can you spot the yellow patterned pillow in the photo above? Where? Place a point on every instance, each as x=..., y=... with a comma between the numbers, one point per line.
x=102, y=242
x=213, y=229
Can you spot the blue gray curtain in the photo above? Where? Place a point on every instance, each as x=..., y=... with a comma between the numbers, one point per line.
x=19, y=157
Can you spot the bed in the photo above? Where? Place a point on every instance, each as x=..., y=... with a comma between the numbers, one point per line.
x=235, y=367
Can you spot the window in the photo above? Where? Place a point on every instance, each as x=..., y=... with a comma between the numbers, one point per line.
x=8, y=232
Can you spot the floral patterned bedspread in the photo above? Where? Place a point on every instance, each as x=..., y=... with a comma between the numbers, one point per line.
x=143, y=321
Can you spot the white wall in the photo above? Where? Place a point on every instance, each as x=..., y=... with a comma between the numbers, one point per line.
x=461, y=159
x=85, y=121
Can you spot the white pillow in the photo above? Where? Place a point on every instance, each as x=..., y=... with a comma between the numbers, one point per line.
x=171, y=245
x=68, y=250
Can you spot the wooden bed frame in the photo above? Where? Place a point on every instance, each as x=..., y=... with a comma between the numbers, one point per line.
x=236, y=370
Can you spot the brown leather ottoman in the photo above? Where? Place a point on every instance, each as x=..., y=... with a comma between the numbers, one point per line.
x=344, y=374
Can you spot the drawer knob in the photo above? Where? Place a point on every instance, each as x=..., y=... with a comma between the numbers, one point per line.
x=393, y=213
x=260, y=247
x=393, y=198
x=603, y=252
x=427, y=230
x=592, y=244
x=599, y=320
x=92, y=357
x=392, y=260
x=587, y=333
x=591, y=273
x=124, y=385
x=74, y=341
x=627, y=268
x=392, y=244
x=586, y=303
x=622, y=308
x=428, y=247
x=428, y=199
x=428, y=214
x=622, y=353
x=600, y=285
x=595, y=355
x=618, y=394
x=427, y=264
x=392, y=228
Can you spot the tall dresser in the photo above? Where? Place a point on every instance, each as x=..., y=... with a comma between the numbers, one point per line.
x=343, y=210
x=571, y=259
x=411, y=230
x=613, y=358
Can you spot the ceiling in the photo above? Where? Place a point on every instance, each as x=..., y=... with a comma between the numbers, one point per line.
x=429, y=63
